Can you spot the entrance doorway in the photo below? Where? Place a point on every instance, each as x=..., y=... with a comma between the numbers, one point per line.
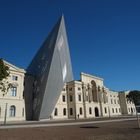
x=96, y=112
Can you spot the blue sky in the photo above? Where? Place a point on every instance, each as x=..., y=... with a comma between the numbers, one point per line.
x=103, y=35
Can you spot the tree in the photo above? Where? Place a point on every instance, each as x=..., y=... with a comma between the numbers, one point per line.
x=4, y=73
x=134, y=96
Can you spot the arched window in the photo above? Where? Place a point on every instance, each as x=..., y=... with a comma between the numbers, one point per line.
x=90, y=110
x=64, y=111
x=55, y=112
x=12, y=111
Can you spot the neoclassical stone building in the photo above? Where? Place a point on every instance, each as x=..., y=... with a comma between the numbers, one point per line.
x=89, y=98
x=81, y=99
x=50, y=91
x=12, y=106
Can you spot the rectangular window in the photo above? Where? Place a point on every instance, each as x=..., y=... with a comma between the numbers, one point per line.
x=116, y=110
x=13, y=91
x=80, y=111
x=79, y=97
x=70, y=89
x=119, y=110
x=112, y=110
x=14, y=78
x=105, y=110
x=71, y=98
x=90, y=110
x=22, y=112
x=55, y=112
x=63, y=98
x=71, y=111
x=111, y=101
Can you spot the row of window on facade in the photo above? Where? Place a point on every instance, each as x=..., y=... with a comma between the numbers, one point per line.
x=13, y=91
x=131, y=110
x=79, y=98
x=79, y=88
x=70, y=89
x=71, y=111
x=70, y=98
x=12, y=111
x=115, y=101
x=117, y=110
x=114, y=110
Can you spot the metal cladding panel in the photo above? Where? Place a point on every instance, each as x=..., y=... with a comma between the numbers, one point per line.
x=60, y=72
x=51, y=68
x=39, y=69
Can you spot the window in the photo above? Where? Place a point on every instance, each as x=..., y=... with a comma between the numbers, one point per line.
x=116, y=110
x=71, y=111
x=112, y=110
x=14, y=78
x=80, y=110
x=12, y=111
x=70, y=89
x=22, y=112
x=55, y=112
x=86, y=97
x=71, y=98
x=119, y=110
x=111, y=101
x=79, y=88
x=105, y=110
x=79, y=97
x=13, y=91
x=90, y=110
x=63, y=98
x=0, y=111
x=64, y=111
x=114, y=101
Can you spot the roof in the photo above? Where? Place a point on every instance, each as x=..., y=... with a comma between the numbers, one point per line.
x=13, y=67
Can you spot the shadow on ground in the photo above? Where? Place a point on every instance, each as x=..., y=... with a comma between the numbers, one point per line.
x=89, y=127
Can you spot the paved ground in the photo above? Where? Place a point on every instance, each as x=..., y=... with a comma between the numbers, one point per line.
x=123, y=130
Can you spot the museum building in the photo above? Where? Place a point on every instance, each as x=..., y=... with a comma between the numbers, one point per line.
x=47, y=90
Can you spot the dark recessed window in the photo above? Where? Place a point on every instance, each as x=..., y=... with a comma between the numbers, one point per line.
x=116, y=110
x=70, y=89
x=90, y=110
x=79, y=97
x=105, y=110
x=80, y=111
x=71, y=98
x=55, y=112
x=112, y=110
x=79, y=88
x=64, y=111
x=71, y=111
x=63, y=98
